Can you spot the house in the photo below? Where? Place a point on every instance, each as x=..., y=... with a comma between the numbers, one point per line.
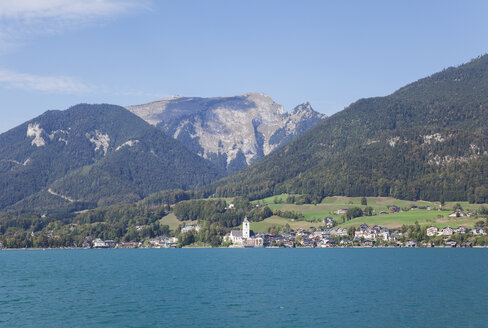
x=253, y=242
x=411, y=243
x=478, y=231
x=99, y=243
x=383, y=213
x=447, y=231
x=326, y=242
x=329, y=222
x=308, y=243
x=457, y=213
x=164, y=242
x=341, y=232
x=432, y=231
x=189, y=228
x=370, y=234
x=369, y=243
x=365, y=232
x=386, y=236
x=460, y=229
x=451, y=243
x=342, y=211
x=129, y=244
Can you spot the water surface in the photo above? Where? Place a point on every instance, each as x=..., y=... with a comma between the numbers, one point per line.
x=244, y=287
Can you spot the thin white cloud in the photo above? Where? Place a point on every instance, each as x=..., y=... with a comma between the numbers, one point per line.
x=64, y=85
x=23, y=19
x=54, y=84
x=26, y=10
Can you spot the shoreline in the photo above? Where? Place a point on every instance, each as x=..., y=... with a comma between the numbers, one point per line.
x=339, y=247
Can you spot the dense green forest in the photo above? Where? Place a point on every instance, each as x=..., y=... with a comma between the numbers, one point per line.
x=428, y=140
x=92, y=155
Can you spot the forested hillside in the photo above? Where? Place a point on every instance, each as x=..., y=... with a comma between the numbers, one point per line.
x=428, y=140
x=92, y=155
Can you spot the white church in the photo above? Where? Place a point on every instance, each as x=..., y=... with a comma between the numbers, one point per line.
x=243, y=237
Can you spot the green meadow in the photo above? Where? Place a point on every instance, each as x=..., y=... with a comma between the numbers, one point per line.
x=313, y=215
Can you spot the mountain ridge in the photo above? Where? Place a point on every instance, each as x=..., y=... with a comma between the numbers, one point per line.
x=93, y=153
x=232, y=132
x=427, y=140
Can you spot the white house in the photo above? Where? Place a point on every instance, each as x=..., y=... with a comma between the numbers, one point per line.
x=189, y=228
x=98, y=243
x=457, y=213
x=447, y=231
x=432, y=231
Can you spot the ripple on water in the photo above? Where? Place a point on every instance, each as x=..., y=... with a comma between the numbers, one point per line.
x=227, y=288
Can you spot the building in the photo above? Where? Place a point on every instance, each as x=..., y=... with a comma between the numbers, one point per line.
x=235, y=237
x=243, y=237
x=447, y=231
x=478, y=231
x=329, y=222
x=189, y=228
x=457, y=213
x=432, y=231
x=99, y=243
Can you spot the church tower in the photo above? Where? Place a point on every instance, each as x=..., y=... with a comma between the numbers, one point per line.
x=245, y=229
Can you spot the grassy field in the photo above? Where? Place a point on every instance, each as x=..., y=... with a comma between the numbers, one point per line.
x=264, y=225
x=423, y=217
x=173, y=222
x=316, y=213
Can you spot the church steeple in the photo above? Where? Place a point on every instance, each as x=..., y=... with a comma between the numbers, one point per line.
x=245, y=228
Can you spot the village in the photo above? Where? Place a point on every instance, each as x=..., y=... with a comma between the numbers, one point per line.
x=323, y=237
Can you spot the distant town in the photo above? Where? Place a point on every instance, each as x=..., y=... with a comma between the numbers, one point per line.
x=325, y=237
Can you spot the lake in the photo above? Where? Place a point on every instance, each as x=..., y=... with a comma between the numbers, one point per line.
x=244, y=287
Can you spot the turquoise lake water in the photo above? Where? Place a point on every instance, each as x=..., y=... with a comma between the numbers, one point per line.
x=244, y=288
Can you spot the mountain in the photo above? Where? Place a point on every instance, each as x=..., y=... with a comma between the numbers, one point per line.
x=232, y=132
x=90, y=155
x=428, y=140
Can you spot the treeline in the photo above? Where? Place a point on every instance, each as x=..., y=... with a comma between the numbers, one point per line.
x=210, y=233
x=218, y=211
x=119, y=223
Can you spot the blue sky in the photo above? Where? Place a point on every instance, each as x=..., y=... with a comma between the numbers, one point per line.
x=57, y=53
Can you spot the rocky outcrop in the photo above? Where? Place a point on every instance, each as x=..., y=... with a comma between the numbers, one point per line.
x=232, y=132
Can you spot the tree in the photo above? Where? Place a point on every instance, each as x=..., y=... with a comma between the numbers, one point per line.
x=368, y=211
x=354, y=212
x=298, y=241
x=457, y=207
x=364, y=201
x=351, y=231
x=480, y=194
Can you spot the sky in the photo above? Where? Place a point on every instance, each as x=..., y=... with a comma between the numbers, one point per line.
x=57, y=53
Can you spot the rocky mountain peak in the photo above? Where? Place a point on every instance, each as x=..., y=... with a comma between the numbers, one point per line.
x=231, y=131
